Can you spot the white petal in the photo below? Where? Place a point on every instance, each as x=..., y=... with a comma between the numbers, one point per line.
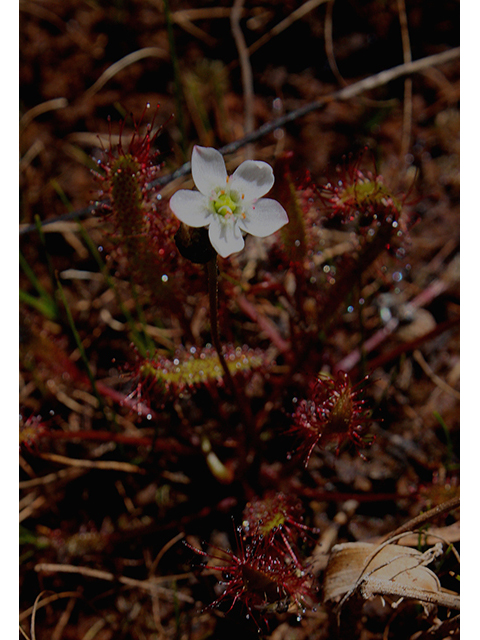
x=208, y=169
x=191, y=207
x=263, y=218
x=226, y=237
x=252, y=179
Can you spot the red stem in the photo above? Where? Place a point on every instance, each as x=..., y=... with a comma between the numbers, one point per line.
x=107, y=436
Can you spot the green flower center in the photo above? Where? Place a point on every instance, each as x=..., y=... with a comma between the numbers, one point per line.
x=224, y=205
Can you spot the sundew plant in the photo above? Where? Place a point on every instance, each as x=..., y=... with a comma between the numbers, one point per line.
x=239, y=329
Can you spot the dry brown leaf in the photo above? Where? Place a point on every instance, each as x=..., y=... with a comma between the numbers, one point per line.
x=387, y=570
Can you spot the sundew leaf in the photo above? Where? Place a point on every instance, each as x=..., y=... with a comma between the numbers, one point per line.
x=191, y=368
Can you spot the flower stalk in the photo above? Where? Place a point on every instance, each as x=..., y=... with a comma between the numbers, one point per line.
x=212, y=278
x=249, y=433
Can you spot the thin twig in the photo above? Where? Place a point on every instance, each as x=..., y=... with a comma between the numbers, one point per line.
x=355, y=89
x=346, y=93
x=421, y=519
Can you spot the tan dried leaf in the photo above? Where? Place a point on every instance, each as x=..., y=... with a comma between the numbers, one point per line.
x=354, y=562
x=386, y=570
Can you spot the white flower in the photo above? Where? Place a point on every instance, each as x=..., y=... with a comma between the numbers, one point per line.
x=229, y=205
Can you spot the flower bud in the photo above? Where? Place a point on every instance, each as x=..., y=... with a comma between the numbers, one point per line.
x=194, y=244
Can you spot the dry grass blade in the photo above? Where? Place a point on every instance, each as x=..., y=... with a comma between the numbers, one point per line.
x=48, y=600
x=299, y=13
x=94, y=630
x=181, y=18
x=108, y=465
x=328, y=34
x=163, y=551
x=27, y=499
x=34, y=612
x=407, y=100
x=131, y=58
x=441, y=384
x=31, y=508
x=23, y=633
x=44, y=107
x=63, y=621
x=146, y=585
x=330, y=53
x=208, y=13
x=245, y=66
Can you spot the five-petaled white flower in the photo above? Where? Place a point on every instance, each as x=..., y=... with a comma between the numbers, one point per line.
x=229, y=205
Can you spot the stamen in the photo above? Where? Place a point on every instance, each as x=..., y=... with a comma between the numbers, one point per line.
x=224, y=204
